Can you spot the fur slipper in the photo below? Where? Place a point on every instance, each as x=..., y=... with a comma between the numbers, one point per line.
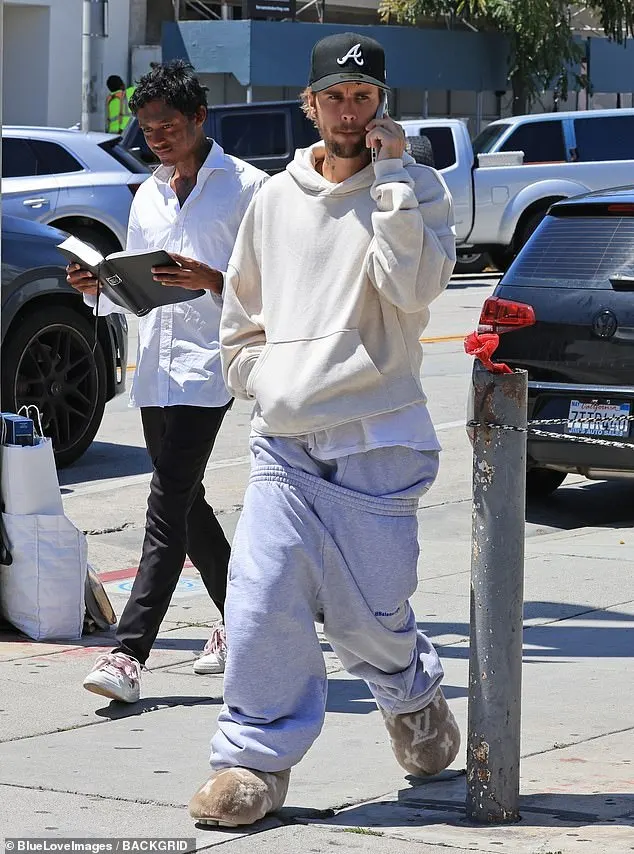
x=237, y=796
x=427, y=741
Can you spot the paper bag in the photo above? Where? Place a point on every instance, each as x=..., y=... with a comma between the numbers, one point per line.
x=42, y=590
x=28, y=479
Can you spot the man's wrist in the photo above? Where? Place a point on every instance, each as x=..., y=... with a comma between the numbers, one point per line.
x=217, y=281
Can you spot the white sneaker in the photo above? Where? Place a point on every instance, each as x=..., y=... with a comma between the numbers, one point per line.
x=213, y=657
x=116, y=676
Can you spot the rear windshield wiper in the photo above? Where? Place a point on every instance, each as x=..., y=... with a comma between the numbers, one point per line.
x=622, y=283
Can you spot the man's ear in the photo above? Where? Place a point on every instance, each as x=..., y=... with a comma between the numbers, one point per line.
x=200, y=115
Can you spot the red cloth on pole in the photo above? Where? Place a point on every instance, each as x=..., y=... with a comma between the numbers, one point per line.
x=483, y=346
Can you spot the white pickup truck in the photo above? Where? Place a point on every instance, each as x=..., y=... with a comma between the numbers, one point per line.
x=504, y=182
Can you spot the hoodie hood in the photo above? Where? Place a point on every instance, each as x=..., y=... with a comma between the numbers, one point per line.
x=302, y=170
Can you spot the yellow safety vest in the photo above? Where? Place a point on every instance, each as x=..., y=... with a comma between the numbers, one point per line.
x=118, y=111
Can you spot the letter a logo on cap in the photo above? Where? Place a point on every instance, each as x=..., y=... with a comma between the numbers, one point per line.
x=346, y=58
x=354, y=53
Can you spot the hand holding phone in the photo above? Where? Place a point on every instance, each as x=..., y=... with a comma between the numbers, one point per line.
x=380, y=113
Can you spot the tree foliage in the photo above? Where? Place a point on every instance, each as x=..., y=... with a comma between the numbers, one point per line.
x=540, y=33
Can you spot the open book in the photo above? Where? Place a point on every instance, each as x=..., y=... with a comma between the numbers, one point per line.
x=126, y=278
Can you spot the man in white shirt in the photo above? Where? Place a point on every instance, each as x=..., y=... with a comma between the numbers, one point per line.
x=192, y=207
x=327, y=294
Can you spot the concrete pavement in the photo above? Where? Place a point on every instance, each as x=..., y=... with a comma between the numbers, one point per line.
x=74, y=765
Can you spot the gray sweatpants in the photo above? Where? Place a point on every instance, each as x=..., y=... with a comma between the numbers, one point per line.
x=332, y=541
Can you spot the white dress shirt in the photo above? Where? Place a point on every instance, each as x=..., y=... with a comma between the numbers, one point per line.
x=178, y=355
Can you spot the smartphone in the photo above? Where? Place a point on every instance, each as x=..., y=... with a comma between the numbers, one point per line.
x=380, y=114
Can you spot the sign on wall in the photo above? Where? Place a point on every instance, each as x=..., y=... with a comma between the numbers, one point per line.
x=268, y=9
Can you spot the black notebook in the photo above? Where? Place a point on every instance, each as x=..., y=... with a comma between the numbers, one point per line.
x=126, y=278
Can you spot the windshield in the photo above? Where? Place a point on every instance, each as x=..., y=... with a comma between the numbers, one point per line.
x=486, y=139
x=569, y=251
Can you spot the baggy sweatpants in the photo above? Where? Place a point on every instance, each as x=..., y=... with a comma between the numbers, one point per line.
x=331, y=541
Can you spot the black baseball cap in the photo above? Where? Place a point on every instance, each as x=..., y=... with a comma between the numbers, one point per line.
x=347, y=58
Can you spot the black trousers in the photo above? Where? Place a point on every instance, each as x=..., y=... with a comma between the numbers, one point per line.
x=179, y=521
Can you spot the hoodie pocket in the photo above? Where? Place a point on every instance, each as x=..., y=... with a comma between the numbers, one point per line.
x=302, y=385
x=255, y=370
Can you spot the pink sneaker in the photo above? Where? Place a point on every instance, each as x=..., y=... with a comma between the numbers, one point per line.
x=213, y=657
x=117, y=676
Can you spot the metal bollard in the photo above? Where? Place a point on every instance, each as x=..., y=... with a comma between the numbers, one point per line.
x=497, y=587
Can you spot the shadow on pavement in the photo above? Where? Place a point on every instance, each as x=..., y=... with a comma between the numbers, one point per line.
x=352, y=696
x=100, y=640
x=609, y=503
x=417, y=807
x=598, y=637
x=116, y=711
x=104, y=460
x=485, y=281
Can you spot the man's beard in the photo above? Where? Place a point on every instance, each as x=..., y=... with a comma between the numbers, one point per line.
x=348, y=150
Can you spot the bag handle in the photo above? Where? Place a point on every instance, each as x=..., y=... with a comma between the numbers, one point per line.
x=26, y=411
x=6, y=558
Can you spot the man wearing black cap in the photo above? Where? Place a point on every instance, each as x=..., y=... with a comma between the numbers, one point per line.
x=326, y=296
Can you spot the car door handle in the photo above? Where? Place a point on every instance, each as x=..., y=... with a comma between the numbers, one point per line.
x=35, y=203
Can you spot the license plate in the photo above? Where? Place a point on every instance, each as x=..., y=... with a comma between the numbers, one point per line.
x=598, y=419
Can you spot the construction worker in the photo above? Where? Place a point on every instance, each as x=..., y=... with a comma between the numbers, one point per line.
x=117, y=110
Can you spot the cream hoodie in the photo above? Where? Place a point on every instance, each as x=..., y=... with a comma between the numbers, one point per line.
x=327, y=293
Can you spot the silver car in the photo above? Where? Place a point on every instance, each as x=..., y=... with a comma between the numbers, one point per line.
x=81, y=183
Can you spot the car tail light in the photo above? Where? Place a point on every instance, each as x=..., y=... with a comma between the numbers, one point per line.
x=503, y=315
x=622, y=207
x=134, y=187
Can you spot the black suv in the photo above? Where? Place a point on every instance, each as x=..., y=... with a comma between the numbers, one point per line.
x=264, y=133
x=566, y=311
x=49, y=356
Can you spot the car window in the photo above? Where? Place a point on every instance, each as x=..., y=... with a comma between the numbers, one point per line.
x=442, y=145
x=541, y=142
x=487, y=138
x=607, y=138
x=576, y=251
x=53, y=159
x=18, y=158
x=254, y=135
x=116, y=150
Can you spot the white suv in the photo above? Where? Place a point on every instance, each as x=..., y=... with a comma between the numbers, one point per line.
x=81, y=183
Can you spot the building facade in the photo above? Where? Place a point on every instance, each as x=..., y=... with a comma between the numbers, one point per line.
x=434, y=72
x=41, y=59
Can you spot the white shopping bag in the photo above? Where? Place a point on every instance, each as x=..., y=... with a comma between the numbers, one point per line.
x=42, y=588
x=29, y=481
x=28, y=474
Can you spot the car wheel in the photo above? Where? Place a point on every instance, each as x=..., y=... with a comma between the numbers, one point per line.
x=541, y=482
x=502, y=259
x=48, y=361
x=421, y=150
x=529, y=227
x=474, y=262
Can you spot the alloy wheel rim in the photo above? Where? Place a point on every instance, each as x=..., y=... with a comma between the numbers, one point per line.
x=57, y=372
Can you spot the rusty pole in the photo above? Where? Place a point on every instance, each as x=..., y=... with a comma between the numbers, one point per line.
x=497, y=589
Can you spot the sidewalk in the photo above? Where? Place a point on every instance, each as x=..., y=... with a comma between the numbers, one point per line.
x=72, y=765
